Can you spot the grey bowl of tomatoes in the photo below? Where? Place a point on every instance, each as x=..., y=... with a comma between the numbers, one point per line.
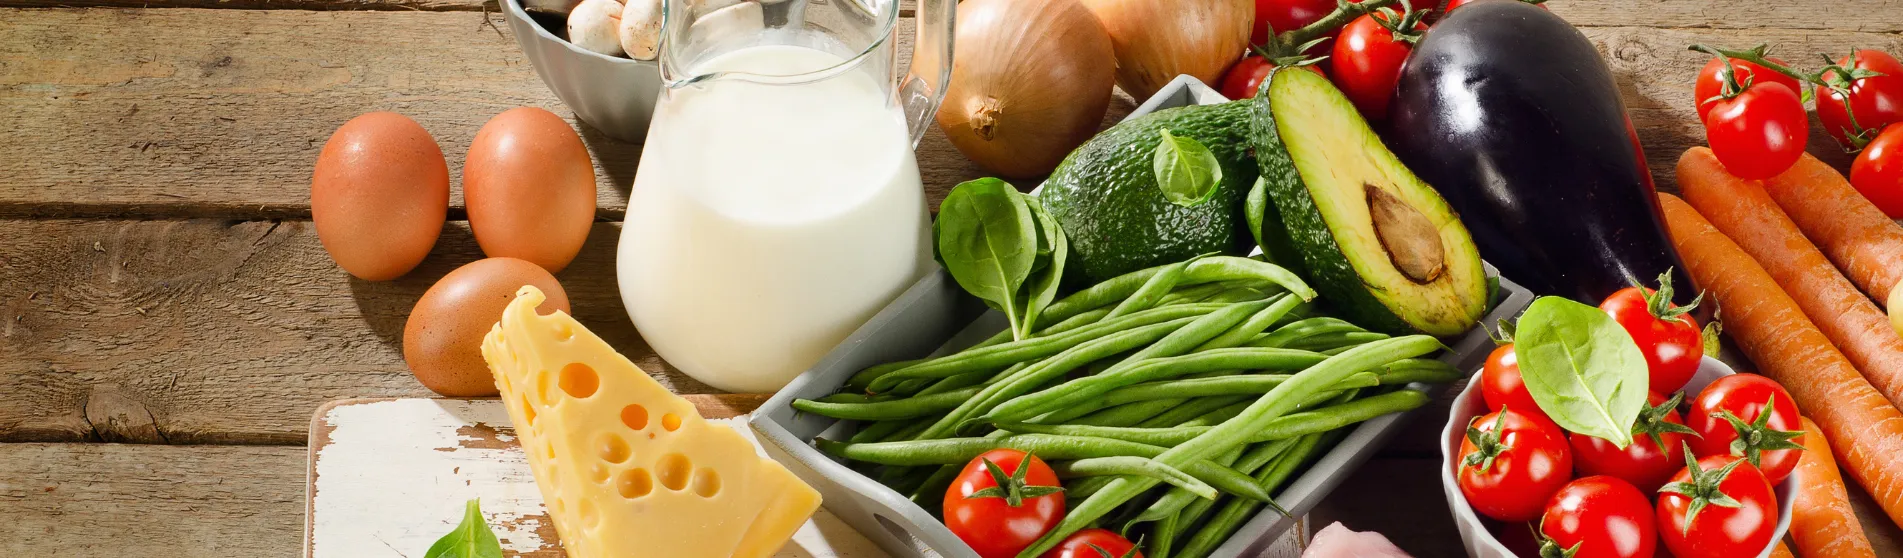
x=1548, y=485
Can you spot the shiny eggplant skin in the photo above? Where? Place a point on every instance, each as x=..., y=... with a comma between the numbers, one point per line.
x=1510, y=113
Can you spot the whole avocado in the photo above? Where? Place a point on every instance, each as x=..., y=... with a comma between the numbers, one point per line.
x=1105, y=194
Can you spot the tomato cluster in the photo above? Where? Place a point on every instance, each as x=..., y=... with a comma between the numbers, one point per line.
x=1004, y=499
x=1589, y=497
x=1363, y=57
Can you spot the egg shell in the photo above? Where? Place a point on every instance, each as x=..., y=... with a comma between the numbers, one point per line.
x=379, y=195
x=442, y=341
x=529, y=185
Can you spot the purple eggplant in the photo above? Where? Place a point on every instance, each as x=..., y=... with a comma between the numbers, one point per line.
x=1510, y=113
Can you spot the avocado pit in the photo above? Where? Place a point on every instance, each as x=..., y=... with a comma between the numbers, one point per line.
x=1410, y=239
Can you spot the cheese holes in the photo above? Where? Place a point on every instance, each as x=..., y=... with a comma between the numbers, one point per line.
x=613, y=449
x=671, y=422
x=674, y=470
x=706, y=483
x=564, y=332
x=634, y=483
x=635, y=416
x=579, y=381
x=590, y=516
x=541, y=387
x=598, y=472
x=528, y=411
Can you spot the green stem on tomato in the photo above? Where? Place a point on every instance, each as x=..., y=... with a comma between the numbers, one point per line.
x=1345, y=12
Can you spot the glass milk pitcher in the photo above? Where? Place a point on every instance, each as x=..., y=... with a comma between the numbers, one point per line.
x=777, y=205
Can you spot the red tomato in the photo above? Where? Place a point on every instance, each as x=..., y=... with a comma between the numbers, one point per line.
x=1451, y=4
x=1599, y=517
x=1878, y=171
x=1773, y=443
x=1710, y=84
x=1650, y=459
x=1876, y=101
x=1758, y=133
x=1094, y=543
x=1287, y=15
x=1366, y=63
x=1717, y=531
x=1242, y=79
x=1665, y=333
x=1510, y=464
x=994, y=524
x=1502, y=386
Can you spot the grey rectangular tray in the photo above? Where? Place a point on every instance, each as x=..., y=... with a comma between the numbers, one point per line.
x=936, y=316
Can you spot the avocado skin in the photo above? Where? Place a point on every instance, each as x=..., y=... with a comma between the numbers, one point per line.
x=1105, y=195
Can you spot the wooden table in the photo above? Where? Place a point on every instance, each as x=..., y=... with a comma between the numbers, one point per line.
x=168, y=321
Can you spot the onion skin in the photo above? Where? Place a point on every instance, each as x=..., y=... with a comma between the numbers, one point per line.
x=1156, y=40
x=1031, y=80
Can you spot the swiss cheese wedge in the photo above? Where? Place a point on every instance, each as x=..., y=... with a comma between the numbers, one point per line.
x=626, y=468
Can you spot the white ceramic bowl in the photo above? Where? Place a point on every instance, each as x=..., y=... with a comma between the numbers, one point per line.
x=613, y=94
x=1474, y=535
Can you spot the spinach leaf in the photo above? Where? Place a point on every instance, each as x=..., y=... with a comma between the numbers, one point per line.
x=1186, y=171
x=1256, y=208
x=471, y=539
x=987, y=239
x=1582, y=369
x=1052, y=249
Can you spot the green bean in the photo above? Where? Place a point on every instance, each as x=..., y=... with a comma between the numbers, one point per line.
x=1299, y=329
x=894, y=409
x=1238, y=510
x=1232, y=268
x=1249, y=328
x=879, y=431
x=959, y=382
x=1240, y=294
x=1081, y=489
x=865, y=377
x=1287, y=426
x=1189, y=411
x=1152, y=290
x=961, y=450
x=1227, y=480
x=1128, y=415
x=1190, y=509
x=1081, y=390
x=1231, y=433
x=1014, y=352
x=1192, y=294
x=1132, y=465
x=1328, y=341
x=1163, y=541
x=1216, y=417
x=1196, y=387
x=1423, y=370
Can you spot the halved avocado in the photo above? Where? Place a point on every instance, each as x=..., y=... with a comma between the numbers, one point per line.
x=1380, y=245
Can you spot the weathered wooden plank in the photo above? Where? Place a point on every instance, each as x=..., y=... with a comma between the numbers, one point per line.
x=217, y=332
x=1854, y=15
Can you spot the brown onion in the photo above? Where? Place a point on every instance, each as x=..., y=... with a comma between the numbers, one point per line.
x=1156, y=40
x=1030, y=82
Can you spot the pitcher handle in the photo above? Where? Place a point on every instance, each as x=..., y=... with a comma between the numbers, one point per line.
x=923, y=87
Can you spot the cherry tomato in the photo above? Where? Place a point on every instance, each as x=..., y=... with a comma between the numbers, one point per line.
x=1650, y=459
x=1877, y=101
x=1758, y=133
x=1094, y=543
x=1599, y=517
x=1451, y=4
x=1773, y=443
x=1878, y=171
x=1243, y=79
x=1366, y=63
x=1665, y=333
x=1502, y=386
x=1717, y=531
x=1709, y=83
x=1510, y=464
x=1000, y=523
x=1287, y=15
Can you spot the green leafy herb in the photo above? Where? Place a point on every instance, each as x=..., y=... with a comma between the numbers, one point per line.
x=1053, y=249
x=1582, y=368
x=1001, y=247
x=1255, y=207
x=1186, y=171
x=471, y=539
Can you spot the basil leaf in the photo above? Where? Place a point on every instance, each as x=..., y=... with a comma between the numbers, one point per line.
x=1255, y=207
x=1053, y=249
x=1185, y=170
x=471, y=539
x=1581, y=368
x=987, y=238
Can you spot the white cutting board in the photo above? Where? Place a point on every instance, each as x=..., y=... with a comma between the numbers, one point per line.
x=389, y=476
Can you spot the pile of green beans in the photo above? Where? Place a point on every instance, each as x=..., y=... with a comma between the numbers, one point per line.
x=1214, y=381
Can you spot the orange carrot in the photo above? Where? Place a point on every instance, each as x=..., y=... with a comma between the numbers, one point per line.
x=1821, y=520
x=1863, y=242
x=1741, y=210
x=1865, y=429
x=1781, y=551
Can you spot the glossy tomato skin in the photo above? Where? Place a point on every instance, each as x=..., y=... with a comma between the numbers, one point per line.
x=1642, y=463
x=1366, y=64
x=1534, y=462
x=1878, y=171
x=1759, y=133
x=1604, y=517
x=1878, y=101
x=1710, y=84
x=1079, y=544
x=993, y=527
x=1243, y=79
x=1744, y=395
x=1672, y=348
x=1502, y=386
x=1285, y=15
x=1719, y=531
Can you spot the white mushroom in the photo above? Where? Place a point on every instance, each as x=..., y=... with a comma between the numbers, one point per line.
x=593, y=26
x=641, y=29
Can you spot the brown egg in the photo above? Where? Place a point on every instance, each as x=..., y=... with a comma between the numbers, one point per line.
x=442, y=342
x=379, y=194
x=530, y=188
